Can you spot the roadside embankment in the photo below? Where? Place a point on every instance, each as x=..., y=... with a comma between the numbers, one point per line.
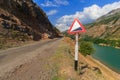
x=92, y=69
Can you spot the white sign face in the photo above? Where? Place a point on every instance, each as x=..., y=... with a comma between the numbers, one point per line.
x=76, y=27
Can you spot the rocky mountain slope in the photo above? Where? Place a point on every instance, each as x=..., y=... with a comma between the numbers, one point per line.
x=23, y=20
x=106, y=27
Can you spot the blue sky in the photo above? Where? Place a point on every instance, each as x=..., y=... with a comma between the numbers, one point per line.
x=62, y=12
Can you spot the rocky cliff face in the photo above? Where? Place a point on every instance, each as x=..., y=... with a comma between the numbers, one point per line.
x=23, y=18
x=106, y=27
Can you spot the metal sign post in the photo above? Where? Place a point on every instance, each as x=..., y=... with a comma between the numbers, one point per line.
x=76, y=52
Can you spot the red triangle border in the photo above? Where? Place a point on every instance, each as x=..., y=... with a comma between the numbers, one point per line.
x=78, y=31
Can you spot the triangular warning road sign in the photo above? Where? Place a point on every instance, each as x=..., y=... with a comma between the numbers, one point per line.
x=76, y=27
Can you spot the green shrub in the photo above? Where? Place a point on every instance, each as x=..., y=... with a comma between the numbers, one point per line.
x=86, y=48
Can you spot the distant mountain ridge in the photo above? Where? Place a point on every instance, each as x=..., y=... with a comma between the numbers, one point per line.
x=106, y=27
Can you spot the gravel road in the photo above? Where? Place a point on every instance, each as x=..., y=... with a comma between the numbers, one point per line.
x=29, y=62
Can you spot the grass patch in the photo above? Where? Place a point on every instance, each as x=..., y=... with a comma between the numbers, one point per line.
x=57, y=78
x=62, y=62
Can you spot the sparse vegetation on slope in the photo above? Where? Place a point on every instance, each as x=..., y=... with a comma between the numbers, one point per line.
x=104, y=42
x=106, y=27
x=105, y=30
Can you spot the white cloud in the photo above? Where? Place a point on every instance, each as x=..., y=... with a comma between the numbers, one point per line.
x=49, y=4
x=88, y=14
x=62, y=2
x=54, y=3
x=52, y=12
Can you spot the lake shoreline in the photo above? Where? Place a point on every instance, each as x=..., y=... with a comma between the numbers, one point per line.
x=105, y=65
x=101, y=44
x=106, y=71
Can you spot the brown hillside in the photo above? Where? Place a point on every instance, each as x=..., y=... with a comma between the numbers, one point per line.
x=24, y=18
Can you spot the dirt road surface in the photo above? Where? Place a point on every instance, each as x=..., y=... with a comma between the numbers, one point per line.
x=29, y=62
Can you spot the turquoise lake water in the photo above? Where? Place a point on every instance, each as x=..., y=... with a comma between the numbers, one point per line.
x=109, y=56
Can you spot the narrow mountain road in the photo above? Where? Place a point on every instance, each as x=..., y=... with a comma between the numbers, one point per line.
x=30, y=62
